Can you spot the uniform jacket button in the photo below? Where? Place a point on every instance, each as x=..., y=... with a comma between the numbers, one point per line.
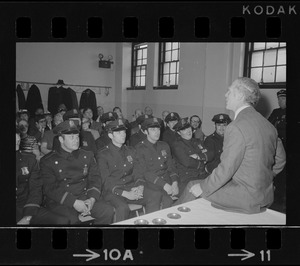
x=68, y=185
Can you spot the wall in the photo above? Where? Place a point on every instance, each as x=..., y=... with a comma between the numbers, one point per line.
x=74, y=63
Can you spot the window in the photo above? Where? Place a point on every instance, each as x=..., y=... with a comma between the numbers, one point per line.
x=139, y=66
x=169, y=54
x=265, y=62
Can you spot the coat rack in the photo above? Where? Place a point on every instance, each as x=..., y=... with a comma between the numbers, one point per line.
x=25, y=85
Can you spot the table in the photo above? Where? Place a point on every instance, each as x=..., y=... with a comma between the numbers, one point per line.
x=202, y=213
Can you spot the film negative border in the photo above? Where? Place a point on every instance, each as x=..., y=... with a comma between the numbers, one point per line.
x=129, y=22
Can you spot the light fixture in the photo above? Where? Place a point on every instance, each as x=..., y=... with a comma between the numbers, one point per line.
x=105, y=63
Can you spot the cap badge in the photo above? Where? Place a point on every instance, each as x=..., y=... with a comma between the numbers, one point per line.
x=110, y=114
x=71, y=123
x=221, y=117
x=172, y=114
x=120, y=122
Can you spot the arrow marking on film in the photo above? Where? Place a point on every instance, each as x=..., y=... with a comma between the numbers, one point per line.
x=91, y=256
x=246, y=255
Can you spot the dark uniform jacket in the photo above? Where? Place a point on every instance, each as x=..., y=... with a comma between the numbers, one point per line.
x=87, y=141
x=28, y=184
x=157, y=163
x=214, y=145
x=278, y=119
x=170, y=136
x=119, y=168
x=68, y=176
x=136, y=138
x=103, y=141
x=187, y=167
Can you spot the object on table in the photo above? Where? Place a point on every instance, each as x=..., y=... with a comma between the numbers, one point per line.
x=141, y=221
x=174, y=216
x=183, y=209
x=159, y=221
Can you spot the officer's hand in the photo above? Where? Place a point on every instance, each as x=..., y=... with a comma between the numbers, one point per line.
x=195, y=156
x=80, y=206
x=175, y=188
x=168, y=188
x=196, y=190
x=139, y=190
x=25, y=220
x=131, y=195
x=90, y=203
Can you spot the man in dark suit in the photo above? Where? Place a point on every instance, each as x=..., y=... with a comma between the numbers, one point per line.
x=252, y=155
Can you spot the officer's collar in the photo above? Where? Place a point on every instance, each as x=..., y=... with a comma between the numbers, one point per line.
x=66, y=154
x=114, y=147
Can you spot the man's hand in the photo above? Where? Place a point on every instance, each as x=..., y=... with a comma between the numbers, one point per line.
x=90, y=203
x=80, y=206
x=195, y=156
x=175, y=188
x=196, y=190
x=139, y=190
x=131, y=195
x=25, y=220
x=168, y=189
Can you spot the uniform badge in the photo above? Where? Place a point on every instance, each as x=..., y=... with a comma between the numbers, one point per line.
x=25, y=170
x=129, y=158
x=71, y=123
x=84, y=143
x=164, y=153
x=85, y=170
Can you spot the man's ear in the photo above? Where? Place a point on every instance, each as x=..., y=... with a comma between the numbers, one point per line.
x=61, y=139
x=110, y=135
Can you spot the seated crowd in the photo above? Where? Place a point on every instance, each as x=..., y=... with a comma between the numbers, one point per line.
x=70, y=166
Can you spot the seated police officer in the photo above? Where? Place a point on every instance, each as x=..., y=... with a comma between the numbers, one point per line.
x=139, y=135
x=72, y=182
x=29, y=195
x=214, y=142
x=189, y=155
x=122, y=175
x=169, y=134
x=157, y=162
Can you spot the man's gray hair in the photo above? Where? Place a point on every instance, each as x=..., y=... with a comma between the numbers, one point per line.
x=249, y=88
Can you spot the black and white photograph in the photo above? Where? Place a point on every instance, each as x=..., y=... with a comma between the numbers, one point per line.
x=150, y=133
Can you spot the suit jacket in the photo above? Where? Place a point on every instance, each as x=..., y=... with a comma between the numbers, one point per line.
x=251, y=157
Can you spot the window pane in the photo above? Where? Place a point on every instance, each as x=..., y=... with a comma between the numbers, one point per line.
x=168, y=56
x=175, y=55
x=143, y=71
x=168, y=46
x=177, y=67
x=166, y=80
x=139, y=54
x=257, y=59
x=144, y=62
x=143, y=81
x=137, y=81
x=281, y=74
x=172, y=79
x=270, y=58
x=281, y=60
x=259, y=45
x=175, y=45
x=144, y=53
x=256, y=74
x=166, y=68
x=272, y=44
x=139, y=62
x=269, y=74
x=138, y=72
x=173, y=68
x=281, y=44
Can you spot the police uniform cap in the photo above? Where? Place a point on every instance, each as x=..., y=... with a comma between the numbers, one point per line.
x=221, y=118
x=151, y=122
x=108, y=116
x=142, y=118
x=182, y=124
x=66, y=127
x=281, y=93
x=70, y=114
x=39, y=117
x=116, y=125
x=172, y=117
x=23, y=111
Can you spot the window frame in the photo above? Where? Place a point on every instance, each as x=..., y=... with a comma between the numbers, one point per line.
x=134, y=66
x=247, y=66
x=161, y=62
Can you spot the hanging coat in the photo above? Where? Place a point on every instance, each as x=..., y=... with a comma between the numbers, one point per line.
x=21, y=98
x=88, y=99
x=55, y=98
x=34, y=100
x=74, y=98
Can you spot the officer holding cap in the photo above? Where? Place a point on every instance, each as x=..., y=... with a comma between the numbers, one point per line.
x=123, y=176
x=170, y=134
x=214, y=142
x=278, y=116
x=189, y=154
x=72, y=182
x=157, y=162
